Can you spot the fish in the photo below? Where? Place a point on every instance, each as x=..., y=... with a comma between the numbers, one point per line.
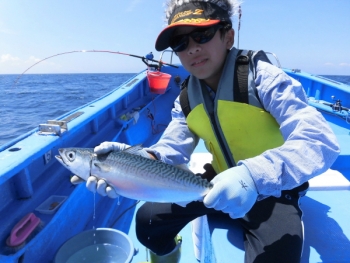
x=136, y=177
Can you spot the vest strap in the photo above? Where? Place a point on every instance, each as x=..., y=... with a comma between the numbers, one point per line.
x=184, y=102
x=241, y=77
x=240, y=80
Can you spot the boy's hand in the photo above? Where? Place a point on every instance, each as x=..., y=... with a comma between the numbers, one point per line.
x=234, y=192
x=94, y=185
x=100, y=186
x=107, y=147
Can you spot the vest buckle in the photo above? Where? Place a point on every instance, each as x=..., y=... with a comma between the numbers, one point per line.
x=243, y=60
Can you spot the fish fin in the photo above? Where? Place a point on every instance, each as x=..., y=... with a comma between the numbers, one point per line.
x=134, y=149
x=183, y=167
x=183, y=204
x=103, y=167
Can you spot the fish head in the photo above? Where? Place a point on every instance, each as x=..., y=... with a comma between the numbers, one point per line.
x=77, y=160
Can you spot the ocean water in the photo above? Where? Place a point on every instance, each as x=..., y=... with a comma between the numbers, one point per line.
x=33, y=98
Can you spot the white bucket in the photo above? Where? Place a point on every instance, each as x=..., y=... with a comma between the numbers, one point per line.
x=100, y=245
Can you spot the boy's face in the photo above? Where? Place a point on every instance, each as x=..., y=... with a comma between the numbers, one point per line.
x=205, y=61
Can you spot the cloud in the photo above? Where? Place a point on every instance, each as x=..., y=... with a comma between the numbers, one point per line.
x=33, y=59
x=12, y=64
x=8, y=58
x=330, y=64
x=132, y=5
x=4, y=30
x=7, y=31
x=332, y=68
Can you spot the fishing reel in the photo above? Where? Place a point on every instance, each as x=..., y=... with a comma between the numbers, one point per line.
x=337, y=106
x=154, y=67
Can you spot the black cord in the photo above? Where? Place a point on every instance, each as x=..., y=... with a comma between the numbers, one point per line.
x=132, y=206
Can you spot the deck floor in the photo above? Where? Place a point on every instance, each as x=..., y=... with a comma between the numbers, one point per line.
x=187, y=251
x=326, y=224
x=326, y=221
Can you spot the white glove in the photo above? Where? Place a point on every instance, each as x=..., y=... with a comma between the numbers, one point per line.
x=104, y=147
x=107, y=147
x=101, y=186
x=233, y=192
x=93, y=185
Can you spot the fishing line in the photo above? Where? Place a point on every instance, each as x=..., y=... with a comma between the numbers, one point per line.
x=155, y=128
x=144, y=59
x=123, y=213
x=150, y=216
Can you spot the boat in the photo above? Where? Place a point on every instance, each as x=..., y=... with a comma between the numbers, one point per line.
x=136, y=112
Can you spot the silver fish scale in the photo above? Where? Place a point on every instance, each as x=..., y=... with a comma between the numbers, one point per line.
x=155, y=169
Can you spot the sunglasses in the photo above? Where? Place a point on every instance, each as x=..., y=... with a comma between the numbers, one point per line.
x=201, y=36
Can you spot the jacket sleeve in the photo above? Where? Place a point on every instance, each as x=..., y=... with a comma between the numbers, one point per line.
x=177, y=142
x=310, y=146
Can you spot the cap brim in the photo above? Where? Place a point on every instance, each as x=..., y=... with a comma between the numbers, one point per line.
x=163, y=40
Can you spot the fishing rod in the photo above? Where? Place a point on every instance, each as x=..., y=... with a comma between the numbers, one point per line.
x=145, y=59
x=239, y=23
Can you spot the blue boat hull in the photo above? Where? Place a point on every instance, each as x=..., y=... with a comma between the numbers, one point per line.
x=29, y=175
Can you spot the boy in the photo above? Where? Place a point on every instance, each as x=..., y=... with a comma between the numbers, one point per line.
x=266, y=142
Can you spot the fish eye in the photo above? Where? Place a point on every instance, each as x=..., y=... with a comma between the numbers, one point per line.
x=71, y=155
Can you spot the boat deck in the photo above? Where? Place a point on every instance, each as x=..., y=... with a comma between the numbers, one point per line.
x=326, y=213
x=326, y=225
x=29, y=175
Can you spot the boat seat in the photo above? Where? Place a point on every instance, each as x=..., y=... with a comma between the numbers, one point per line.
x=217, y=239
x=330, y=180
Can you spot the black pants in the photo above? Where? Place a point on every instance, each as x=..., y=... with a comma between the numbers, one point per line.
x=272, y=229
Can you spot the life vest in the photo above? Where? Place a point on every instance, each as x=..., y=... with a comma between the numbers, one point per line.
x=235, y=125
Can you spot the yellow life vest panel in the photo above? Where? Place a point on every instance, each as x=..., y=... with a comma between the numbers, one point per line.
x=232, y=131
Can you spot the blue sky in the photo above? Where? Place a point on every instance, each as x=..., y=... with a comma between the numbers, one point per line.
x=312, y=35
